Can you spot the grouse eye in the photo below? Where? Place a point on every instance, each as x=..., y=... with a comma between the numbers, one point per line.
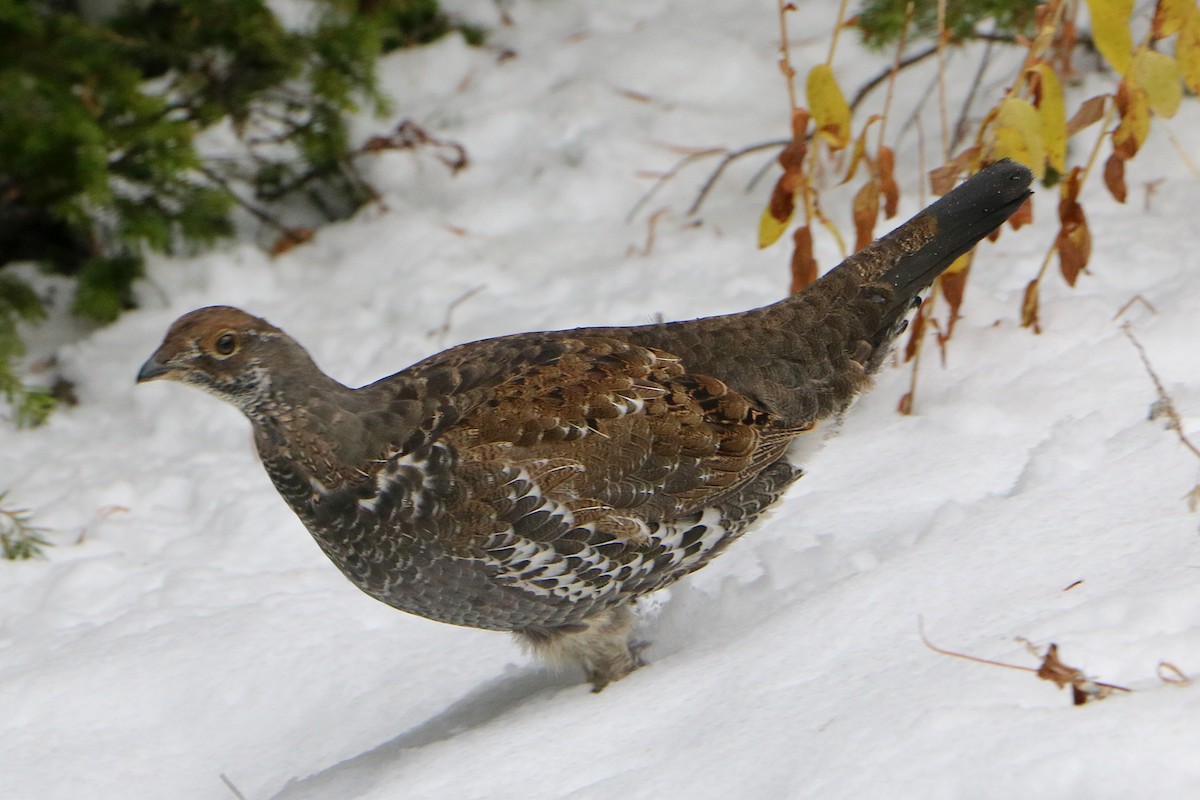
x=226, y=344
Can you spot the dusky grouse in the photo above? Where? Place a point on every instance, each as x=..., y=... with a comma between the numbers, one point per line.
x=541, y=482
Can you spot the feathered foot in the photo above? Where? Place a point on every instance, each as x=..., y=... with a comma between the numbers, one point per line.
x=600, y=644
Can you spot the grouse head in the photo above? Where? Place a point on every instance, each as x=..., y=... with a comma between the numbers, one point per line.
x=240, y=358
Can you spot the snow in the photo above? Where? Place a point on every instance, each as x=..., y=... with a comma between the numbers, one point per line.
x=185, y=628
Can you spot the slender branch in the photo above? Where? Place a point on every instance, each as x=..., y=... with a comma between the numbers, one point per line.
x=837, y=29
x=909, y=10
x=961, y=123
x=258, y=213
x=669, y=175
x=730, y=156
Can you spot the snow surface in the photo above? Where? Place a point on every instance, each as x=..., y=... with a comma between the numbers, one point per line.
x=186, y=628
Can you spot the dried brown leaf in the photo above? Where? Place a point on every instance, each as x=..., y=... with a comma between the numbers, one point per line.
x=1022, y=216
x=866, y=211
x=1074, y=242
x=953, y=286
x=1114, y=177
x=916, y=330
x=777, y=215
x=886, y=162
x=943, y=178
x=1083, y=688
x=1029, y=307
x=290, y=239
x=1090, y=112
x=804, y=265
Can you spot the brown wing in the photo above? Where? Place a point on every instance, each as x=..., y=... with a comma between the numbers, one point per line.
x=624, y=428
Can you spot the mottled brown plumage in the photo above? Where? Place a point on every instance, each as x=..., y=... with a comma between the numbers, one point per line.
x=539, y=483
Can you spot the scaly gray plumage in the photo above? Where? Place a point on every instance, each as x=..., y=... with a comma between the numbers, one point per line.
x=540, y=482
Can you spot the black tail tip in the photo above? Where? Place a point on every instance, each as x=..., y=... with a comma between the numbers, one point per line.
x=997, y=185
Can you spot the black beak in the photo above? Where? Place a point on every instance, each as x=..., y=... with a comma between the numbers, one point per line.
x=153, y=370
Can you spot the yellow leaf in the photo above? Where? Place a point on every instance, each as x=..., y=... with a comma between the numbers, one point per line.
x=860, y=149
x=1187, y=50
x=1158, y=74
x=959, y=264
x=770, y=227
x=1110, y=30
x=828, y=106
x=1052, y=109
x=1018, y=135
x=1169, y=16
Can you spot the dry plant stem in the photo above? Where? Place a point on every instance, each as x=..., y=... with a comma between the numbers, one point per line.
x=785, y=56
x=258, y=213
x=909, y=10
x=941, y=77
x=730, y=156
x=665, y=177
x=1191, y=165
x=444, y=328
x=1163, y=397
x=960, y=124
x=1169, y=673
x=1137, y=298
x=926, y=309
x=231, y=787
x=883, y=75
x=979, y=660
x=837, y=29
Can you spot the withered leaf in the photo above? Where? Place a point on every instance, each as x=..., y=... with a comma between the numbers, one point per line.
x=953, y=284
x=1074, y=242
x=804, y=265
x=1022, y=216
x=916, y=330
x=1083, y=688
x=1114, y=177
x=866, y=211
x=290, y=239
x=943, y=178
x=1090, y=112
x=1029, y=307
x=777, y=215
x=886, y=161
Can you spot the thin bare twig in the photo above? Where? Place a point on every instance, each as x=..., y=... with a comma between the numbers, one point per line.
x=1137, y=298
x=909, y=10
x=941, y=77
x=444, y=328
x=960, y=124
x=665, y=177
x=785, y=57
x=1164, y=399
x=1051, y=669
x=229, y=785
x=729, y=157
